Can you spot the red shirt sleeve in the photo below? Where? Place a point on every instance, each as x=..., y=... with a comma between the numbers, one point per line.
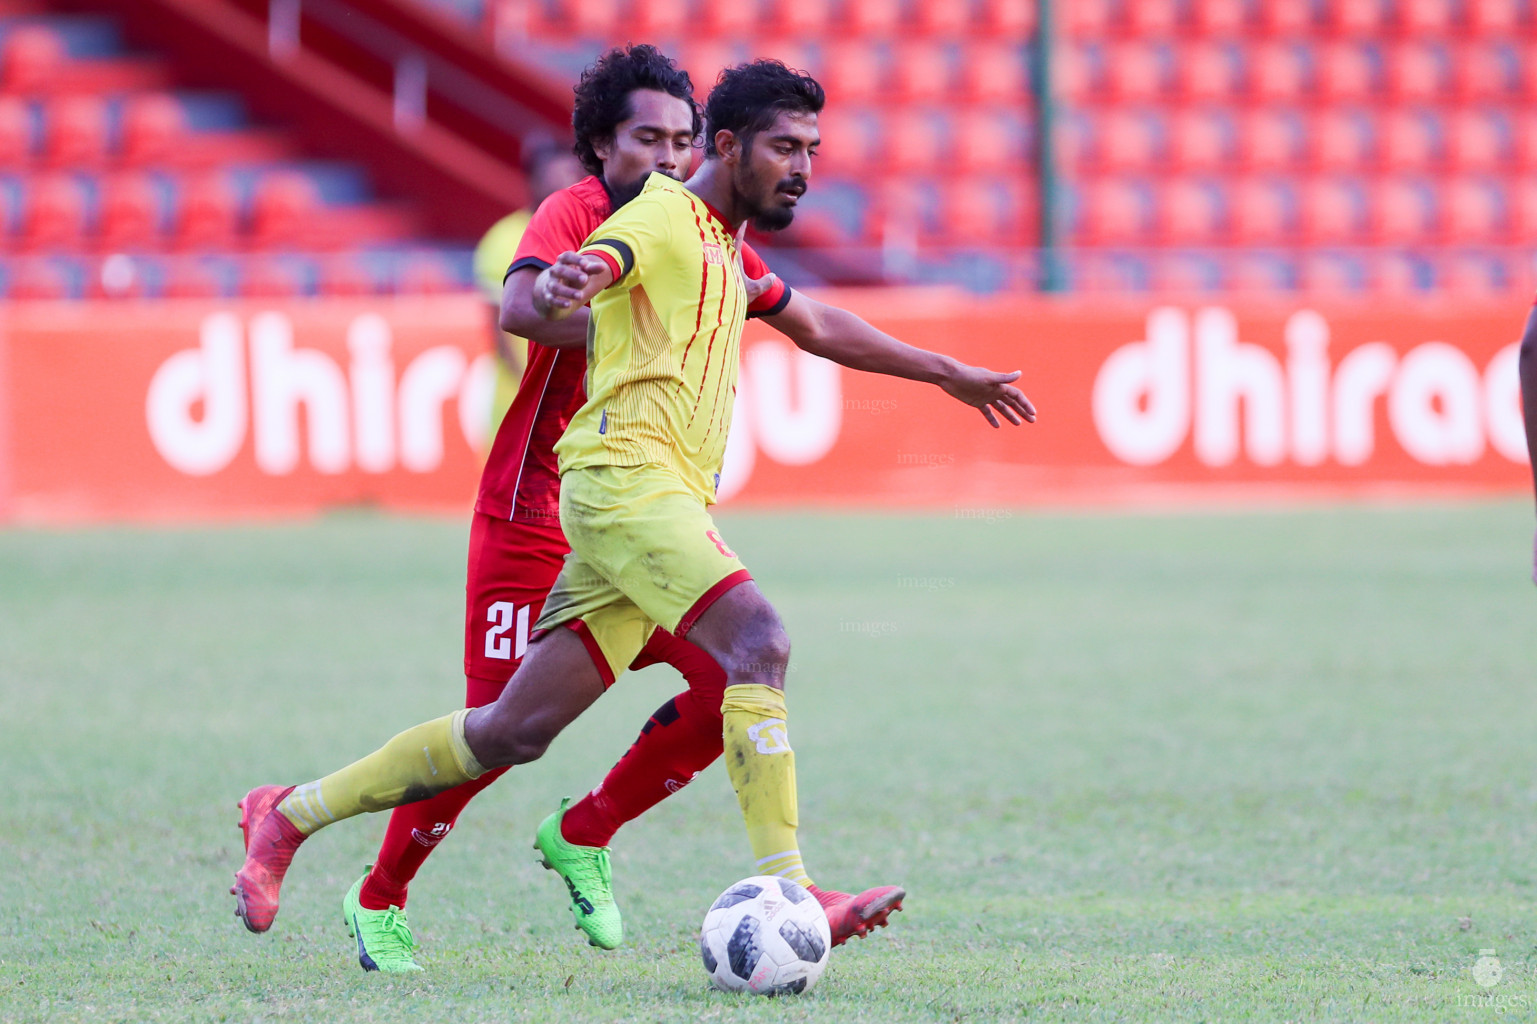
x=776, y=298
x=561, y=224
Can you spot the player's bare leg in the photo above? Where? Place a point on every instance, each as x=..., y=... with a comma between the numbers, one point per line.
x=743, y=632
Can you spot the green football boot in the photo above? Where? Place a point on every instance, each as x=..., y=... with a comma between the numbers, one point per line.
x=384, y=937
x=586, y=873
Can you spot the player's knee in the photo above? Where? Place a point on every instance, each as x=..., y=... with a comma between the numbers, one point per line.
x=764, y=651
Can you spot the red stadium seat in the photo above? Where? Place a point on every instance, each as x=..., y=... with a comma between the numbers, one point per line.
x=1471, y=274
x=1271, y=139
x=1341, y=139
x=1346, y=71
x=915, y=140
x=865, y=18
x=1527, y=70
x=1129, y=140
x=1151, y=17
x=1002, y=19
x=984, y=211
x=188, y=278
x=995, y=73
x=425, y=273
x=345, y=275
x=1260, y=273
x=76, y=132
x=1115, y=211
x=285, y=211
x=207, y=213
x=1486, y=70
x=1137, y=71
x=1409, y=139
x=1087, y=19
x=1190, y=212
x=797, y=19
x=729, y=19
x=1075, y=71
x=661, y=19
x=1522, y=198
x=1334, y=212
x=943, y=19
x=270, y=278
x=1417, y=71
x=704, y=59
x=1262, y=212
x=152, y=128
x=1426, y=16
x=1476, y=212
x=852, y=145
x=31, y=59
x=1403, y=212
x=853, y=72
x=1201, y=140
x=1285, y=17
x=1524, y=132
x=1395, y=274
x=1209, y=70
x=1218, y=17
x=1278, y=71
x=1331, y=274
x=54, y=217
x=15, y=133
x=129, y=217
x=1357, y=17
x=991, y=139
x=38, y=280
x=1493, y=17
x=1076, y=139
x=1479, y=140
x=923, y=71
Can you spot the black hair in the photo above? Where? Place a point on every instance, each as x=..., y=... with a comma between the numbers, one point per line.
x=748, y=97
x=603, y=95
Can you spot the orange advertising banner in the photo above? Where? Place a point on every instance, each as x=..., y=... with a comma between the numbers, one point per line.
x=189, y=410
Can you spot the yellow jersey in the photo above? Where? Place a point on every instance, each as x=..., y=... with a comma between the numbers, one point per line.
x=662, y=341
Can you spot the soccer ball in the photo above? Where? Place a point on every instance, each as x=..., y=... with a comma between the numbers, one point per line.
x=765, y=935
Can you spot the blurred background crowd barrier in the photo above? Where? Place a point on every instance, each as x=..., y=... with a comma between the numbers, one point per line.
x=1234, y=244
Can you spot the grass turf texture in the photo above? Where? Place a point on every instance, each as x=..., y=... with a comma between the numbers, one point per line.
x=1249, y=766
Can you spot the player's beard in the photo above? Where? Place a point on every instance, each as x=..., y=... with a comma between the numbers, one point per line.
x=618, y=195
x=769, y=215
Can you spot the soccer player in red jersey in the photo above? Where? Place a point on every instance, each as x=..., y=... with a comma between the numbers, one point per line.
x=517, y=546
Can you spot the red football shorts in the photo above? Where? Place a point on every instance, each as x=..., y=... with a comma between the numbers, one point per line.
x=512, y=565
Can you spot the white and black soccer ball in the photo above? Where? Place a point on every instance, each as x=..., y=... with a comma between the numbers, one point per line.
x=765, y=935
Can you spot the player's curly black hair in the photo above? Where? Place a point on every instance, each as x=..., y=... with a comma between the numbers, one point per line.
x=603, y=95
x=748, y=97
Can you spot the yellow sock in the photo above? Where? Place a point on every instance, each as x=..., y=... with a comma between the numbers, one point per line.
x=762, y=769
x=421, y=762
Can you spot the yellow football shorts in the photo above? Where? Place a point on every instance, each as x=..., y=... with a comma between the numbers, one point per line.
x=644, y=553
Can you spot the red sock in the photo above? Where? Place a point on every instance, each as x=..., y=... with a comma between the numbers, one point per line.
x=680, y=740
x=416, y=829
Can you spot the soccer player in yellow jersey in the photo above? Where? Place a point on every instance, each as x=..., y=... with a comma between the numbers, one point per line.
x=639, y=464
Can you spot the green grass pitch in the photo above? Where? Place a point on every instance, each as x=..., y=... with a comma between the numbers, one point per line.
x=1233, y=766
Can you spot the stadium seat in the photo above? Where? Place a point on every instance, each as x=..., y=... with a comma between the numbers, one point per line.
x=942, y=19
x=1341, y=139
x=1155, y=18
x=1479, y=140
x=852, y=145
x=271, y=277
x=129, y=216
x=1394, y=273
x=1426, y=17
x=425, y=273
x=1521, y=195
x=1493, y=17
x=922, y=69
x=345, y=274
x=1260, y=273
x=1475, y=212
x=1284, y=18
x=1486, y=70
x=1263, y=211
x=590, y=19
x=1218, y=17
x=1409, y=139
x=1076, y=141
x=207, y=213
x=16, y=146
x=1278, y=71
x=285, y=211
x=151, y=128
x=853, y=71
x=1130, y=139
x=728, y=19
x=191, y=278
x=54, y=217
x=1324, y=274
x=1357, y=17
x=1209, y=70
x=1524, y=136
x=76, y=132
x=1417, y=71
x=704, y=59
x=1113, y=211
x=1334, y=211
x=31, y=58
x=1137, y=71
x=1000, y=19
x=1203, y=139
x=796, y=19
x=994, y=72
x=39, y=280
x=984, y=211
x=1191, y=212
x=1271, y=139
x=1346, y=71
x=916, y=141
x=1473, y=275
x=992, y=139
x=1186, y=273
x=1403, y=212
x=1086, y=19
x=865, y=19
x=662, y=19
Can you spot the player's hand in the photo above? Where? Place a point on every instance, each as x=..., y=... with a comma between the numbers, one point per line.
x=991, y=392
x=562, y=287
x=756, y=287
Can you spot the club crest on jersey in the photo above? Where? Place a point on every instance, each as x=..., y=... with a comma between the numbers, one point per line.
x=713, y=254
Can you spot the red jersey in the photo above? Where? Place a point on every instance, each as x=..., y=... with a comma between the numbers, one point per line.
x=521, y=479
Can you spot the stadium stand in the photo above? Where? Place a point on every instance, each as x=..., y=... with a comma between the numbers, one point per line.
x=116, y=182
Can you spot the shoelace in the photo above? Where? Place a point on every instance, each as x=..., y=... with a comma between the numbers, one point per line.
x=394, y=925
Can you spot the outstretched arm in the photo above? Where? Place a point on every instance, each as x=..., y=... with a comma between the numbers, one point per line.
x=846, y=339
x=569, y=284
x=519, y=317
x=1529, y=402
